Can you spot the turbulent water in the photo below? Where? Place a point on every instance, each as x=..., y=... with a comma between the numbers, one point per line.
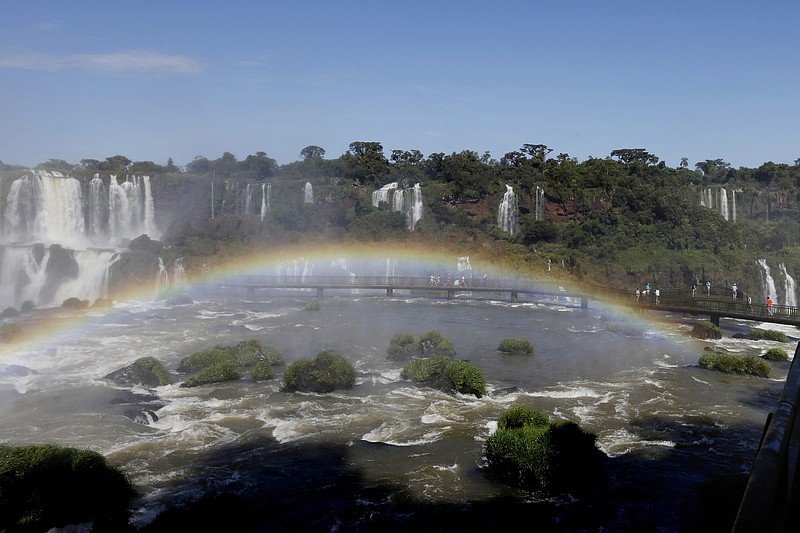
x=388, y=454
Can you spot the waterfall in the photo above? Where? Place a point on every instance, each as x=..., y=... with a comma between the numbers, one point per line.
x=384, y=194
x=97, y=213
x=51, y=224
x=162, y=278
x=723, y=203
x=212, y=200
x=508, y=212
x=408, y=201
x=539, y=213
x=769, y=283
x=790, y=286
x=248, y=199
x=178, y=273
x=264, y=200
x=733, y=206
x=415, y=210
x=308, y=194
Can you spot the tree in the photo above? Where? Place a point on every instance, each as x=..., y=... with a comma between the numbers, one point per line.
x=712, y=167
x=632, y=155
x=312, y=152
x=199, y=165
x=366, y=163
x=684, y=162
x=258, y=166
x=116, y=163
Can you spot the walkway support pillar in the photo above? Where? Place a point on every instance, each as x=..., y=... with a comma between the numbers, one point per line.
x=514, y=298
x=251, y=293
x=584, y=302
x=451, y=294
x=319, y=293
x=389, y=292
x=715, y=320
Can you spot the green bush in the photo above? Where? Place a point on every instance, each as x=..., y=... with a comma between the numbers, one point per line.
x=404, y=346
x=325, y=372
x=776, y=354
x=151, y=365
x=531, y=452
x=217, y=373
x=312, y=305
x=757, y=334
x=221, y=363
x=515, y=346
x=443, y=373
x=262, y=371
x=46, y=486
x=735, y=364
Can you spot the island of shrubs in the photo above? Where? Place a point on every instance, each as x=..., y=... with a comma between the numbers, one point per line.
x=223, y=363
x=515, y=346
x=431, y=363
x=46, y=486
x=758, y=334
x=704, y=329
x=325, y=372
x=776, y=354
x=735, y=364
x=531, y=452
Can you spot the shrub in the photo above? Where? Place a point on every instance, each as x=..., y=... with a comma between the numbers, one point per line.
x=27, y=306
x=405, y=346
x=47, y=486
x=757, y=334
x=75, y=303
x=531, y=452
x=262, y=371
x=434, y=343
x=216, y=373
x=704, y=329
x=325, y=372
x=735, y=364
x=776, y=354
x=402, y=346
x=221, y=363
x=443, y=373
x=515, y=346
x=312, y=305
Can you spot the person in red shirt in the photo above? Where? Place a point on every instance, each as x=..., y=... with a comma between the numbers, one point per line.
x=769, y=305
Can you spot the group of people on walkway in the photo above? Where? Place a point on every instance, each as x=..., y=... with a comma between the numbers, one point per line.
x=736, y=294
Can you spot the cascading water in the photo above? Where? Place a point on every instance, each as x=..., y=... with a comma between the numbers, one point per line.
x=308, y=193
x=723, y=203
x=508, y=212
x=408, y=201
x=52, y=227
x=790, y=287
x=162, y=278
x=266, y=189
x=539, y=204
x=768, y=285
x=248, y=199
x=178, y=273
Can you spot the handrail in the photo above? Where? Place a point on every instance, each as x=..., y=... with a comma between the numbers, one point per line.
x=769, y=501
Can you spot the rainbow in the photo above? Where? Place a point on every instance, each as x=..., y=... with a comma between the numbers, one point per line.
x=47, y=326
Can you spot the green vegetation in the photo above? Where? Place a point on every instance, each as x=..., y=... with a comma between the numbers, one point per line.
x=531, y=452
x=312, y=305
x=515, y=346
x=704, y=329
x=444, y=373
x=404, y=346
x=152, y=366
x=776, y=354
x=222, y=363
x=757, y=334
x=735, y=364
x=47, y=486
x=75, y=303
x=325, y=372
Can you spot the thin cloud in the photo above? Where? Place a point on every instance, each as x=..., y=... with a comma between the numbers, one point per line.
x=128, y=62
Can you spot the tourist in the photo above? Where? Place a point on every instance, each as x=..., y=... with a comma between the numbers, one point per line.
x=734, y=290
x=647, y=289
x=769, y=305
x=749, y=303
x=658, y=295
x=694, y=288
x=638, y=294
x=708, y=288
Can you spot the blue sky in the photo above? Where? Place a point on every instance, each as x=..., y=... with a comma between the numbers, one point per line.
x=152, y=80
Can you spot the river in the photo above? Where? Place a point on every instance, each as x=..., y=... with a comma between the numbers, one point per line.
x=390, y=455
